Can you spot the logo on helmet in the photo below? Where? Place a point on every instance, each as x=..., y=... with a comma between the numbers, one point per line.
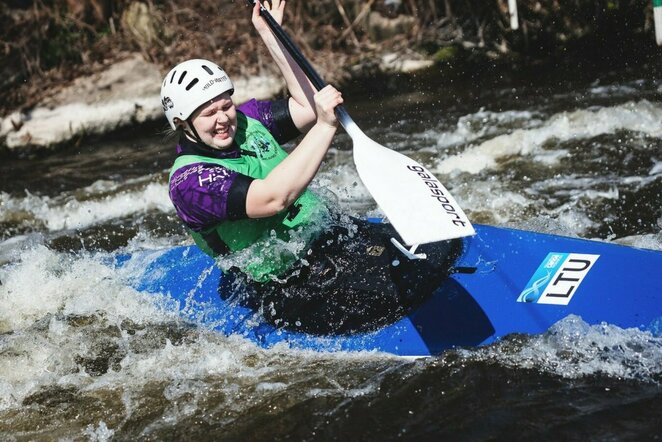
x=211, y=82
x=167, y=104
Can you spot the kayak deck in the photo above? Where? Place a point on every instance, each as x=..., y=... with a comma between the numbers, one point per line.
x=506, y=281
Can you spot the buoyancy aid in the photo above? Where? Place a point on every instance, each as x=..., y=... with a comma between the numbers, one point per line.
x=260, y=153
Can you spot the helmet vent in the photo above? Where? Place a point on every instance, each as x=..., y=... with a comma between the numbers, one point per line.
x=181, y=77
x=209, y=71
x=173, y=76
x=191, y=84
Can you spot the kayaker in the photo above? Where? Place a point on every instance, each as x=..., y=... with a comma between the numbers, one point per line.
x=245, y=200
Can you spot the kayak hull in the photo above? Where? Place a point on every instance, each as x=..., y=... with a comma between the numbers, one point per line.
x=505, y=281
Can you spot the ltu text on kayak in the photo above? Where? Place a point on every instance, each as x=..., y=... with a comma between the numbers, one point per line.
x=436, y=193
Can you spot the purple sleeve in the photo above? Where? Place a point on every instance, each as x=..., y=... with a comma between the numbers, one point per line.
x=275, y=116
x=199, y=193
x=262, y=112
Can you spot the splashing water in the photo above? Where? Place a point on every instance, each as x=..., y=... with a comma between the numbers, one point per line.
x=83, y=355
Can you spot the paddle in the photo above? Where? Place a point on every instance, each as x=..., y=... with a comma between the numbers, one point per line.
x=418, y=206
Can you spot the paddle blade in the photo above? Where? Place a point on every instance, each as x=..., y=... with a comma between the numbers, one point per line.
x=418, y=206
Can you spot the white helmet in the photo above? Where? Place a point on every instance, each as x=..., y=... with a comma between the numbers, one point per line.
x=191, y=84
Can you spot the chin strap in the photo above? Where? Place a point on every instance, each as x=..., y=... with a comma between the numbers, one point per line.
x=193, y=133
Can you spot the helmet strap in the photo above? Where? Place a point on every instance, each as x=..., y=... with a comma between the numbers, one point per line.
x=194, y=133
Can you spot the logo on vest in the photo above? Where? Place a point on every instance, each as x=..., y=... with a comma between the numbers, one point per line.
x=262, y=148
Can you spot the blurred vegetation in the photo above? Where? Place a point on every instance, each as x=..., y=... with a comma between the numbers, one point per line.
x=48, y=43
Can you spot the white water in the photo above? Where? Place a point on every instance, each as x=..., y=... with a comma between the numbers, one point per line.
x=643, y=117
x=92, y=205
x=105, y=200
x=63, y=314
x=573, y=349
x=63, y=311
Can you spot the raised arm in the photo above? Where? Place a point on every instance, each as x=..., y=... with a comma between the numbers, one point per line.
x=289, y=179
x=301, y=103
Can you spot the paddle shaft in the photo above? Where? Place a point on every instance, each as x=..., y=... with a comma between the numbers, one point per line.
x=417, y=204
x=297, y=55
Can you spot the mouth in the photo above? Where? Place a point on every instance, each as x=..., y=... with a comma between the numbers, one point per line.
x=222, y=133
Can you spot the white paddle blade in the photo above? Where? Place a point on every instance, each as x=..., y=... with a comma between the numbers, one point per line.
x=418, y=206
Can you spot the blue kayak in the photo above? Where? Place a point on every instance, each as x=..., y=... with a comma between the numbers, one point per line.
x=503, y=281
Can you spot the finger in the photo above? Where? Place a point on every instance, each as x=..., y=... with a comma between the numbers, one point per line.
x=329, y=95
x=328, y=90
x=331, y=100
x=279, y=5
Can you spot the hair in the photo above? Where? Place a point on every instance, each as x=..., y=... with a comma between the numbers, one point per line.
x=170, y=134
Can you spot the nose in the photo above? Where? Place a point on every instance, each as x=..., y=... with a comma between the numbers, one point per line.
x=221, y=117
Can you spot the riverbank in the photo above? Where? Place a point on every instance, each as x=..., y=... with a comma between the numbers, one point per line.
x=57, y=90
x=126, y=94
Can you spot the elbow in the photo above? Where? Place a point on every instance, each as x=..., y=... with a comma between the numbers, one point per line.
x=263, y=201
x=277, y=205
x=284, y=201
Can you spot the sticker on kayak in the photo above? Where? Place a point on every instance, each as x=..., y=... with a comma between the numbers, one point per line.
x=557, y=279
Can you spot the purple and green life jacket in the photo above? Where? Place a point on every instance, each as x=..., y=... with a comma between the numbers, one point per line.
x=260, y=154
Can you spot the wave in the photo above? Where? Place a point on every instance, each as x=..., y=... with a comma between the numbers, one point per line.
x=93, y=205
x=572, y=349
x=642, y=117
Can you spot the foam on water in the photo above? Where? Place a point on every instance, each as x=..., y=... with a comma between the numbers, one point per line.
x=488, y=201
x=656, y=169
x=73, y=322
x=494, y=202
x=652, y=241
x=642, y=116
x=92, y=205
x=100, y=433
x=627, y=89
x=572, y=348
x=472, y=127
x=46, y=282
x=42, y=295
x=104, y=201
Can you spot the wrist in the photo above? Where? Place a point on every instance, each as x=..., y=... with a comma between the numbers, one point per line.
x=326, y=126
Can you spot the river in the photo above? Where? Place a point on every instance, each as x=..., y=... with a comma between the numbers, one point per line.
x=83, y=356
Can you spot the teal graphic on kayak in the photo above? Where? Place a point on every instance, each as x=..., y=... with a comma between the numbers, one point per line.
x=557, y=278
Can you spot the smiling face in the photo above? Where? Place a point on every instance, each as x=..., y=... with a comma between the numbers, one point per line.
x=216, y=122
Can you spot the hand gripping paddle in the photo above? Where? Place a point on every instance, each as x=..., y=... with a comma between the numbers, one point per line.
x=417, y=205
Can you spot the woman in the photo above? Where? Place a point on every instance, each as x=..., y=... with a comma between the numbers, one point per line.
x=245, y=200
